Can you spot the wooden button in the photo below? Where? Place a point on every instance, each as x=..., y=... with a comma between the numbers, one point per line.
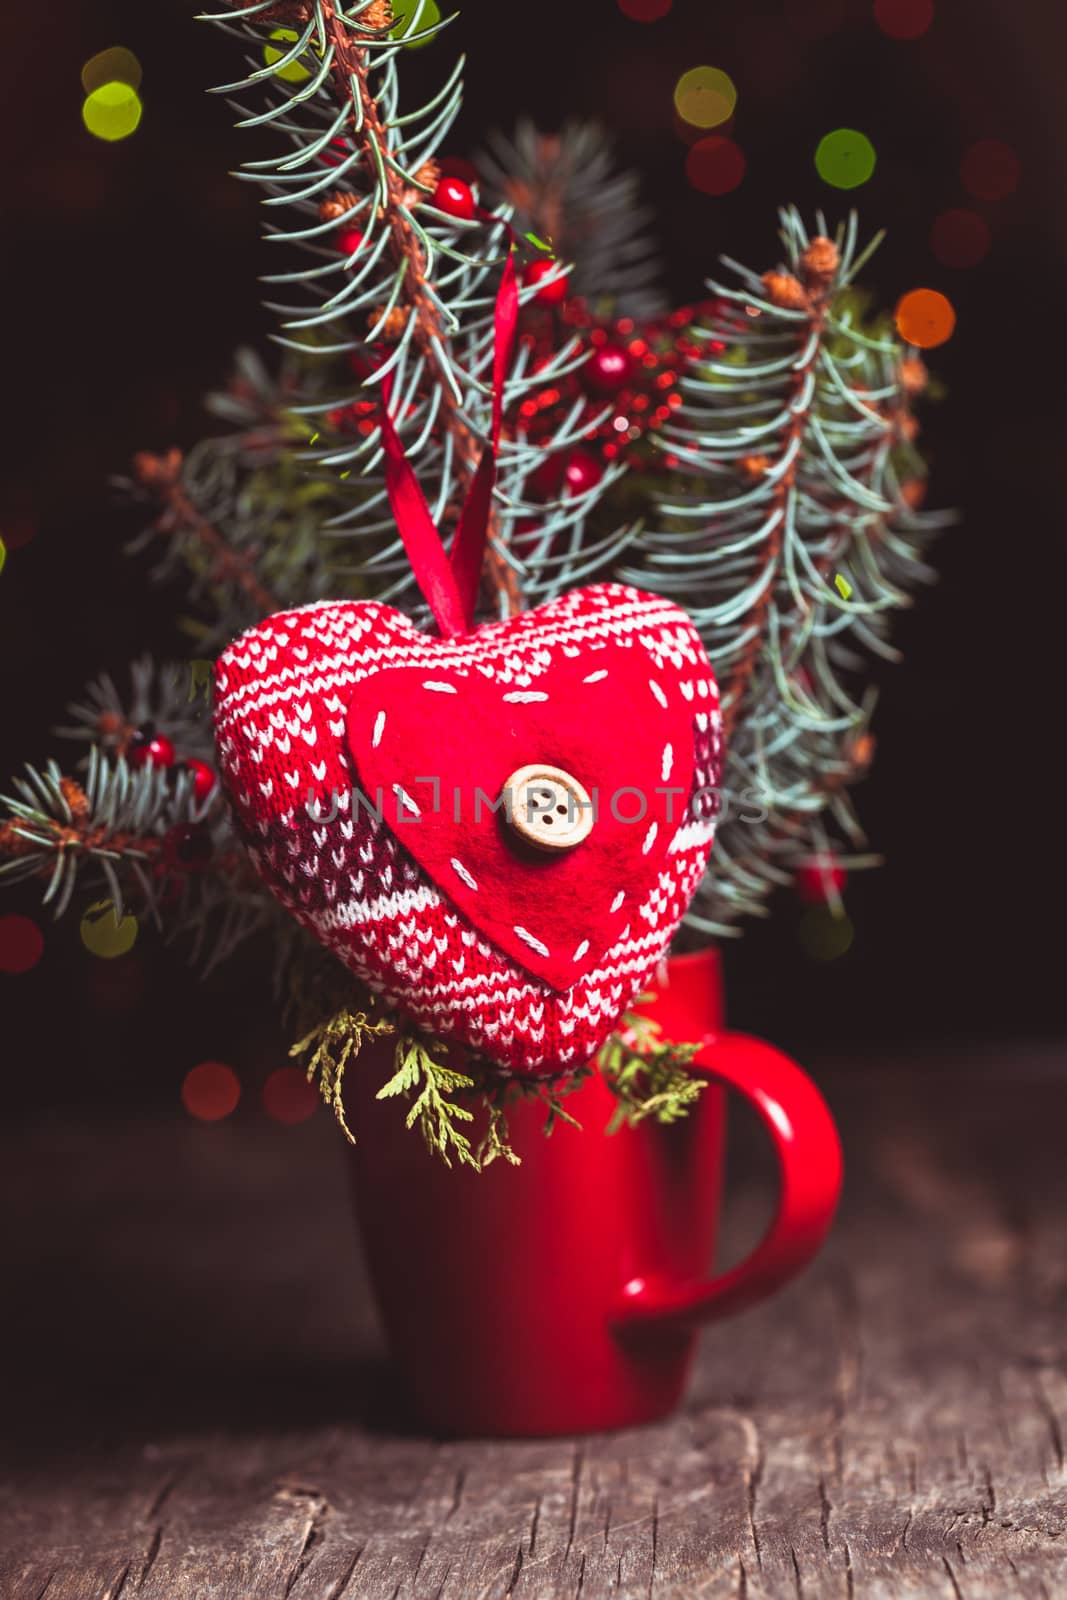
x=547, y=808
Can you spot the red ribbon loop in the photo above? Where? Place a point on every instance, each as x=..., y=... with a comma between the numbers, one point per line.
x=450, y=584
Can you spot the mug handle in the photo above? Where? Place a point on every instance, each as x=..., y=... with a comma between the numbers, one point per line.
x=806, y=1142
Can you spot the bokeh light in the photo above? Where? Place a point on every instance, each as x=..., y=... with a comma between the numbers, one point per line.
x=288, y=1097
x=904, y=19
x=17, y=531
x=645, y=10
x=293, y=71
x=960, y=238
x=715, y=165
x=3, y=555
x=823, y=936
x=112, y=112
x=115, y=986
x=115, y=65
x=705, y=97
x=815, y=19
x=210, y=1091
x=21, y=944
x=414, y=15
x=990, y=170
x=926, y=318
x=845, y=158
x=103, y=934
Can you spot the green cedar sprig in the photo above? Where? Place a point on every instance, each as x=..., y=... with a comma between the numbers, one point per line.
x=336, y=1041
x=418, y=1067
x=650, y=1076
x=499, y=1093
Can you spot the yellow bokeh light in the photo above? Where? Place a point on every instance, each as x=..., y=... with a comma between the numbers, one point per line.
x=824, y=936
x=113, y=111
x=414, y=16
x=103, y=934
x=295, y=71
x=3, y=554
x=705, y=97
x=115, y=65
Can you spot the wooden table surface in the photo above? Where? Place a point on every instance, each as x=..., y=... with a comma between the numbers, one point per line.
x=194, y=1405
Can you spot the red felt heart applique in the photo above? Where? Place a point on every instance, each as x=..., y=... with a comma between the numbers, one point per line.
x=368, y=765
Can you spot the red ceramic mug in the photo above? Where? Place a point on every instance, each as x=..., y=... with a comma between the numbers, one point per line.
x=564, y=1295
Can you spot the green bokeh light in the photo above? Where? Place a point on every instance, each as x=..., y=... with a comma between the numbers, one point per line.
x=113, y=111
x=413, y=16
x=845, y=158
x=295, y=71
x=824, y=936
x=3, y=554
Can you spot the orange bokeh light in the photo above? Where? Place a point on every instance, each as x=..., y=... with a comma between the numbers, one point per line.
x=210, y=1091
x=904, y=19
x=21, y=944
x=960, y=238
x=925, y=318
x=288, y=1097
x=715, y=165
x=990, y=170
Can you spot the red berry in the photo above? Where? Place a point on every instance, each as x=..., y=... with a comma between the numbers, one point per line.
x=455, y=198
x=608, y=368
x=349, y=240
x=153, y=750
x=581, y=472
x=819, y=879
x=203, y=777
x=552, y=294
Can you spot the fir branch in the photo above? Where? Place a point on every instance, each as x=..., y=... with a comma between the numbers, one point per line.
x=649, y=1076
x=391, y=282
x=567, y=194
x=178, y=519
x=336, y=1041
x=142, y=838
x=420, y=1071
x=795, y=466
x=168, y=697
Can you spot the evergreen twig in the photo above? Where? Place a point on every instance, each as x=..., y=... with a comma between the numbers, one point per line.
x=336, y=1041
x=649, y=1075
x=421, y=1071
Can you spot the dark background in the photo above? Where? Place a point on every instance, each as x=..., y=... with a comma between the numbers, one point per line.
x=129, y=274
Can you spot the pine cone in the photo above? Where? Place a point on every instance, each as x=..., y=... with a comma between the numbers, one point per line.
x=782, y=289
x=15, y=844
x=377, y=17
x=913, y=375
x=76, y=798
x=820, y=262
x=860, y=752
x=394, y=324
x=335, y=205
x=157, y=472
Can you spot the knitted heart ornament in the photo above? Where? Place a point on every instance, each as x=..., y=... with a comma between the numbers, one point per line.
x=369, y=768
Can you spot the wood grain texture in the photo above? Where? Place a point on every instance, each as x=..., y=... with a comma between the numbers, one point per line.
x=195, y=1407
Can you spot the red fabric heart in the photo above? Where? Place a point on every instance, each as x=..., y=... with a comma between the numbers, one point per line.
x=354, y=749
